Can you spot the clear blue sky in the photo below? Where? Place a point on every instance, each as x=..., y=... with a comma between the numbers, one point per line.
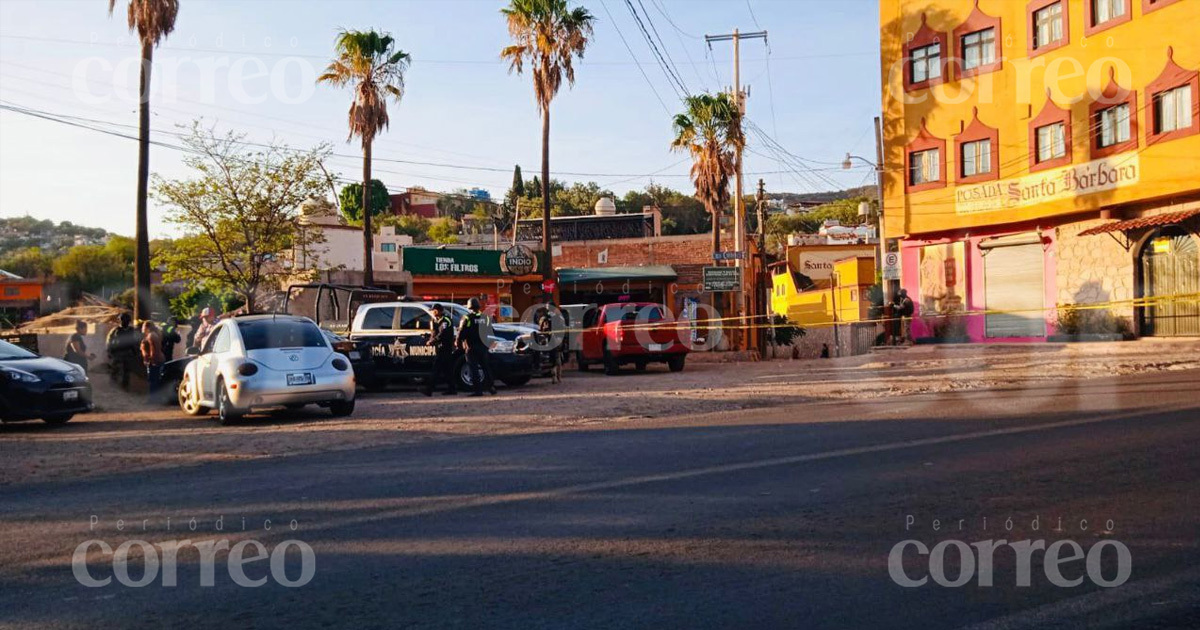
x=462, y=107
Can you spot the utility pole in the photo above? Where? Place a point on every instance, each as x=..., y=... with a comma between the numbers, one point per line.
x=762, y=308
x=739, y=205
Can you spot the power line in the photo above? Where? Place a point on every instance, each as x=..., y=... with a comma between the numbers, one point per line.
x=676, y=83
x=634, y=57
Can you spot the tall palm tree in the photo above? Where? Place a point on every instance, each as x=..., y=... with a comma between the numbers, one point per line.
x=152, y=20
x=711, y=131
x=369, y=61
x=548, y=35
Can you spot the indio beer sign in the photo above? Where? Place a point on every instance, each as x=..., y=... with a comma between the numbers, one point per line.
x=1051, y=185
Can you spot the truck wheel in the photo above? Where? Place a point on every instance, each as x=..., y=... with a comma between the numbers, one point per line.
x=462, y=373
x=676, y=363
x=580, y=363
x=61, y=418
x=611, y=367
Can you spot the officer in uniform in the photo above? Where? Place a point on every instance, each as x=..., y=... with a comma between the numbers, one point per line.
x=442, y=341
x=473, y=339
x=122, y=345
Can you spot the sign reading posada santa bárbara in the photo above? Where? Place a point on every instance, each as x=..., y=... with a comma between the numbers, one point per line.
x=1052, y=185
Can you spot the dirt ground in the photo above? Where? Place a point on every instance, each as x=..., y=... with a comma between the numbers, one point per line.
x=126, y=434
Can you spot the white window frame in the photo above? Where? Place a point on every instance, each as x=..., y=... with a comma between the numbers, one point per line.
x=1048, y=25
x=1106, y=11
x=929, y=60
x=1051, y=141
x=979, y=48
x=976, y=157
x=1113, y=125
x=1173, y=109
x=924, y=167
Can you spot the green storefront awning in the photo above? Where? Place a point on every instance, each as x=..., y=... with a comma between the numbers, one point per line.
x=599, y=274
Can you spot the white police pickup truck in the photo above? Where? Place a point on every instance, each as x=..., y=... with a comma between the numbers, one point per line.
x=394, y=334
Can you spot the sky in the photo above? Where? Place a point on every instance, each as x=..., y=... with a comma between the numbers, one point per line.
x=248, y=66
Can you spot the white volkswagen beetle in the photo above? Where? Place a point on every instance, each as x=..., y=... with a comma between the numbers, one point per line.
x=266, y=361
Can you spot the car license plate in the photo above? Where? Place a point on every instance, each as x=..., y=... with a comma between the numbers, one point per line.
x=71, y=395
x=300, y=379
x=658, y=347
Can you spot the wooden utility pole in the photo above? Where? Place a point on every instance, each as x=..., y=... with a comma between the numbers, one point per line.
x=739, y=205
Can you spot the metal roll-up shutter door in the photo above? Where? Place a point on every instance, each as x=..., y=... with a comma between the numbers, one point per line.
x=1014, y=286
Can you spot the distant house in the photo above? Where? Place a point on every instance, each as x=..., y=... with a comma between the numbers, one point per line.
x=417, y=202
x=20, y=298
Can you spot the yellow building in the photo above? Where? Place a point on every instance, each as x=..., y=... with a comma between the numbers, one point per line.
x=845, y=297
x=1041, y=154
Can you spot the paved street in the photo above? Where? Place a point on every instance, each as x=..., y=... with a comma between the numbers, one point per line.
x=780, y=516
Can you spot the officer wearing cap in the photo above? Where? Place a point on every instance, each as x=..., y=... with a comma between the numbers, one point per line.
x=443, y=343
x=473, y=336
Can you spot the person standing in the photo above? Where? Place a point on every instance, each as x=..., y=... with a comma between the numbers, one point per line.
x=545, y=324
x=170, y=338
x=208, y=321
x=904, y=309
x=442, y=340
x=152, y=356
x=473, y=339
x=122, y=345
x=77, y=351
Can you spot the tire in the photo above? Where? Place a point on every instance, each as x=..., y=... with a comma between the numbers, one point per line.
x=462, y=374
x=170, y=393
x=61, y=418
x=226, y=412
x=611, y=367
x=580, y=364
x=341, y=408
x=184, y=396
x=676, y=363
x=516, y=381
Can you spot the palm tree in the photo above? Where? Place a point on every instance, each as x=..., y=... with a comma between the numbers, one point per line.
x=369, y=61
x=711, y=131
x=153, y=20
x=548, y=36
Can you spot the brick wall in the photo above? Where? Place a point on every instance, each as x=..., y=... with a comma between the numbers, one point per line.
x=677, y=251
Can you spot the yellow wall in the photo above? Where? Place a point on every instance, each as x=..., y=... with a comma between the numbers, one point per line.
x=816, y=306
x=1009, y=98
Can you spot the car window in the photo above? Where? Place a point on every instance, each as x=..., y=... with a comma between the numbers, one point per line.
x=415, y=318
x=219, y=342
x=264, y=334
x=380, y=318
x=12, y=351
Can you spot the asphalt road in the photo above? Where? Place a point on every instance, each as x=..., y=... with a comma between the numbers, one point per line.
x=769, y=518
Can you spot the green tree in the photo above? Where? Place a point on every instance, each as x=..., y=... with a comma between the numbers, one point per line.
x=94, y=268
x=153, y=20
x=369, y=62
x=710, y=130
x=239, y=212
x=28, y=262
x=351, y=200
x=548, y=35
x=444, y=230
x=415, y=226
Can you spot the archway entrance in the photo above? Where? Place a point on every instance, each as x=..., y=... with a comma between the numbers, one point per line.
x=1170, y=267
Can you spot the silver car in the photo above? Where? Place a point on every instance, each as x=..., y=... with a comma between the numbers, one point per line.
x=266, y=361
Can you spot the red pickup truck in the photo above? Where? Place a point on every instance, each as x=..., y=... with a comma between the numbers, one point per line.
x=639, y=333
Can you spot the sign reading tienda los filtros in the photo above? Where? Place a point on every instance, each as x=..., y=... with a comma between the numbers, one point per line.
x=518, y=260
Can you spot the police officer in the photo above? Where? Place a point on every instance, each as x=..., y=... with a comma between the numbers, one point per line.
x=122, y=345
x=473, y=339
x=442, y=341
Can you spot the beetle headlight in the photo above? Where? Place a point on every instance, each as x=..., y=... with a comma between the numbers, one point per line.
x=20, y=376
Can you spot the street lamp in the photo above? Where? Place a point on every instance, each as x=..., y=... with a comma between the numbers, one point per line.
x=847, y=164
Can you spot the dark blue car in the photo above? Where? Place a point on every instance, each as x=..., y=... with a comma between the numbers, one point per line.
x=34, y=387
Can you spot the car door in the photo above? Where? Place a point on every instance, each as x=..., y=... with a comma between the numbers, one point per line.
x=592, y=337
x=215, y=348
x=416, y=324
